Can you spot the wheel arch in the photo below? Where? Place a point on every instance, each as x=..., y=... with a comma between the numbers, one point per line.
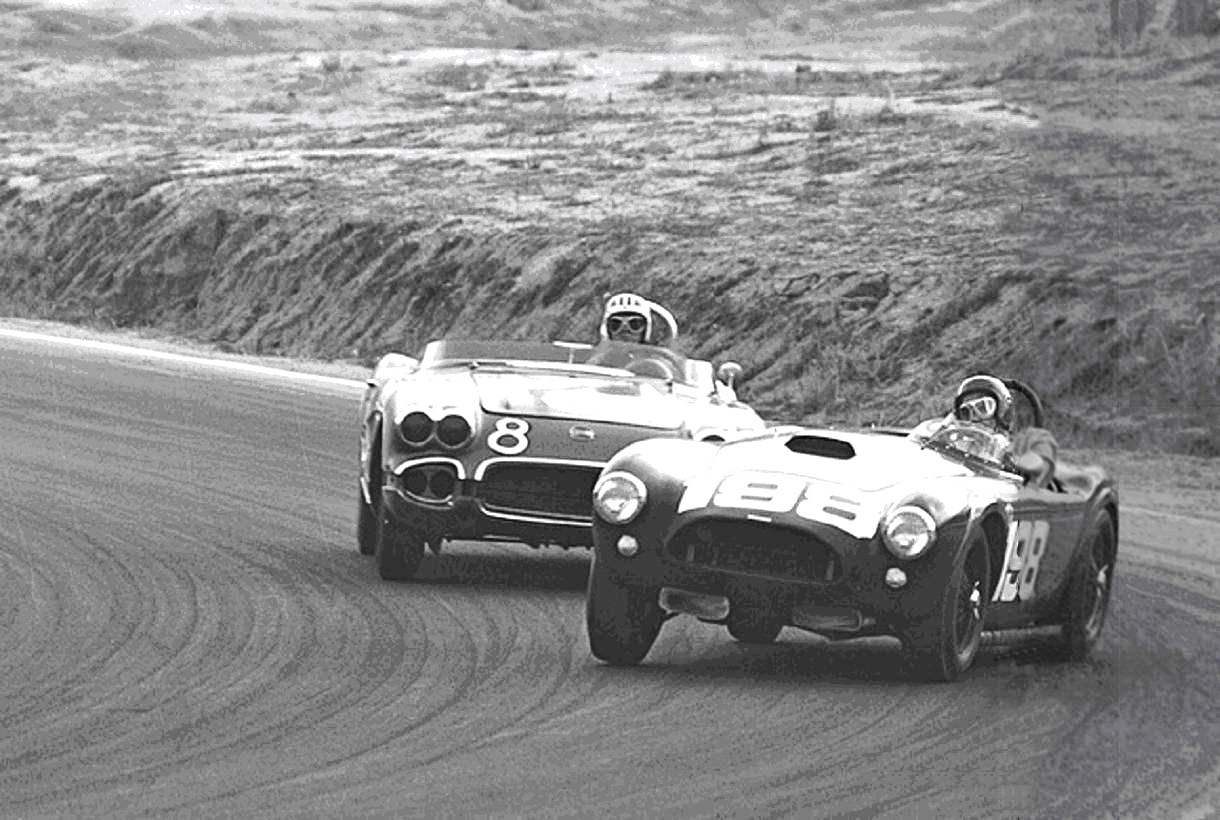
x=1110, y=508
x=372, y=469
x=994, y=526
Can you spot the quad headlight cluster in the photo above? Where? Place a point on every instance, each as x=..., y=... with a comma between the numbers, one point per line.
x=908, y=531
x=618, y=497
x=452, y=431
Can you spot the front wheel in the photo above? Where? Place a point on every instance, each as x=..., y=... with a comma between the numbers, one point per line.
x=623, y=619
x=943, y=645
x=398, y=552
x=1089, y=590
x=366, y=524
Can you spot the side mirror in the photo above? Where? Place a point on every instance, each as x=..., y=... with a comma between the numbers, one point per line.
x=728, y=373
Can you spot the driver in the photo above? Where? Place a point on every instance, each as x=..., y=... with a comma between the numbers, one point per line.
x=631, y=318
x=984, y=402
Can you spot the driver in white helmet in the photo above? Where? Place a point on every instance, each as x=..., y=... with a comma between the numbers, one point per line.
x=629, y=317
x=983, y=417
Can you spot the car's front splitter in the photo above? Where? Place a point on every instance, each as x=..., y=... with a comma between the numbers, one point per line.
x=463, y=517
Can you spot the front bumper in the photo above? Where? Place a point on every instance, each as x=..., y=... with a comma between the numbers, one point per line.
x=841, y=574
x=466, y=515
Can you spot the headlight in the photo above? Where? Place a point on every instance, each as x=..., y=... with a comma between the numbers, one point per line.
x=416, y=428
x=618, y=497
x=421, y=427
x=453, y=431
x=909, y=531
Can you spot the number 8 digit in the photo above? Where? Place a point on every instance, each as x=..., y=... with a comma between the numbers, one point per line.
x=509, y=437
x=1033, y=558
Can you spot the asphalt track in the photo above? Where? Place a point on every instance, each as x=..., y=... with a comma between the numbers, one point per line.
x=186, y=629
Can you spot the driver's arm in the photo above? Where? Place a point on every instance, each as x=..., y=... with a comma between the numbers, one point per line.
x=1035, y=452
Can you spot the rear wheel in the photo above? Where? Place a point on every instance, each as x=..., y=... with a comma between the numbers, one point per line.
x=944, y=645
x=623, y=619
x=398, y=551
x=1088, y=597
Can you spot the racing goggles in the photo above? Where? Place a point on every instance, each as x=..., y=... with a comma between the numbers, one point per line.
x=978, y=408
x=630, y=321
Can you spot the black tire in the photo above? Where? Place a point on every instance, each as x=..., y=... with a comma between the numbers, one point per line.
x=398, y=552
x=366, y=525
x=944, y=645
x=623, y=619
x=751, y=623
x=1088, y=597
x=368, y=515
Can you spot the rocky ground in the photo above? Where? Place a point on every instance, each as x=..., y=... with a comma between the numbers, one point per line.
x=861, y=203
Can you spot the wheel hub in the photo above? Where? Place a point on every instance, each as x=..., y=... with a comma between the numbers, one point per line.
x=976, y=602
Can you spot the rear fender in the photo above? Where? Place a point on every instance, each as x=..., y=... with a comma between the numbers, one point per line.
x=1105, y=500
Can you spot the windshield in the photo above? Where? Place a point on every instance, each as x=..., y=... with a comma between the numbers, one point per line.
x=652, y=362
x=445, y=352
x=969, y=442
x=647, y=361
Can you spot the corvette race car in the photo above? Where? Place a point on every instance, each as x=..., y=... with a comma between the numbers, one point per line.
x=850, y=534
x=503, y=440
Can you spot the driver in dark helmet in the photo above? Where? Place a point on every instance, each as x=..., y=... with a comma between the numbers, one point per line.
x=984, y=404
x=631, y=318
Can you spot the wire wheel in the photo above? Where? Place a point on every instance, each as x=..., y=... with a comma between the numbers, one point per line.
x=1089, y=593
x=968, y=616
x=943, y=644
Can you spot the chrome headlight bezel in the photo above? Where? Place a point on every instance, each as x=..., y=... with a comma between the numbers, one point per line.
x=619, y=497
x=908, y=531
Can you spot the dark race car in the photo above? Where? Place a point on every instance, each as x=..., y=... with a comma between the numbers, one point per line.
x=849, y=534
x=504, y=440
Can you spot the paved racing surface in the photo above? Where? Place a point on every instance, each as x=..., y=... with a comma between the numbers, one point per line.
x=186, y=628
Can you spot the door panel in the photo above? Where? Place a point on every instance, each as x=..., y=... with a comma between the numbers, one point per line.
x=1038, y=553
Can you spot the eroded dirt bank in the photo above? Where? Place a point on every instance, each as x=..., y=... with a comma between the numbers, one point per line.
x=858, y=237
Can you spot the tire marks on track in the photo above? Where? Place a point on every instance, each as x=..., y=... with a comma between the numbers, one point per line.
x=188, y=630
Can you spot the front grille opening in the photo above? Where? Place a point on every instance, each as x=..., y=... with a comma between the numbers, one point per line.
x=430, y=482
x=548, y=490
x=754, y=548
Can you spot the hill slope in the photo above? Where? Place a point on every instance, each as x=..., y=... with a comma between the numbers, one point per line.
x=857, y=223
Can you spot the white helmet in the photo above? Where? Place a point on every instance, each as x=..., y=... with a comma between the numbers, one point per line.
x=659, y=324
x=984, y=398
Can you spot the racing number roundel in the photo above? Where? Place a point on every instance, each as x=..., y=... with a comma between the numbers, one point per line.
x=1023, y=556
x=509, y=438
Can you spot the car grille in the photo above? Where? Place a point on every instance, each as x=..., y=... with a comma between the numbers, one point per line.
x=546, y=490
x=754, y=548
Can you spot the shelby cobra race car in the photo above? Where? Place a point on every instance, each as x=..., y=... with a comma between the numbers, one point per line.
x=850, y=534
x=503, y=440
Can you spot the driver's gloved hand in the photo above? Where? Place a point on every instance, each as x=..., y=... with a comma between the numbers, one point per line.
x=1033, y=467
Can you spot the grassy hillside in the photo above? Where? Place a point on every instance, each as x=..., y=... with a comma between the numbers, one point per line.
x=814, y=189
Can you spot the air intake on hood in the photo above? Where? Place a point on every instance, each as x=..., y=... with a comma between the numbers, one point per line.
x=820, y=446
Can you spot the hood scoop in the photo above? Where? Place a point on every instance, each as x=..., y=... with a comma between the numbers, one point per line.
x=821, y=446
